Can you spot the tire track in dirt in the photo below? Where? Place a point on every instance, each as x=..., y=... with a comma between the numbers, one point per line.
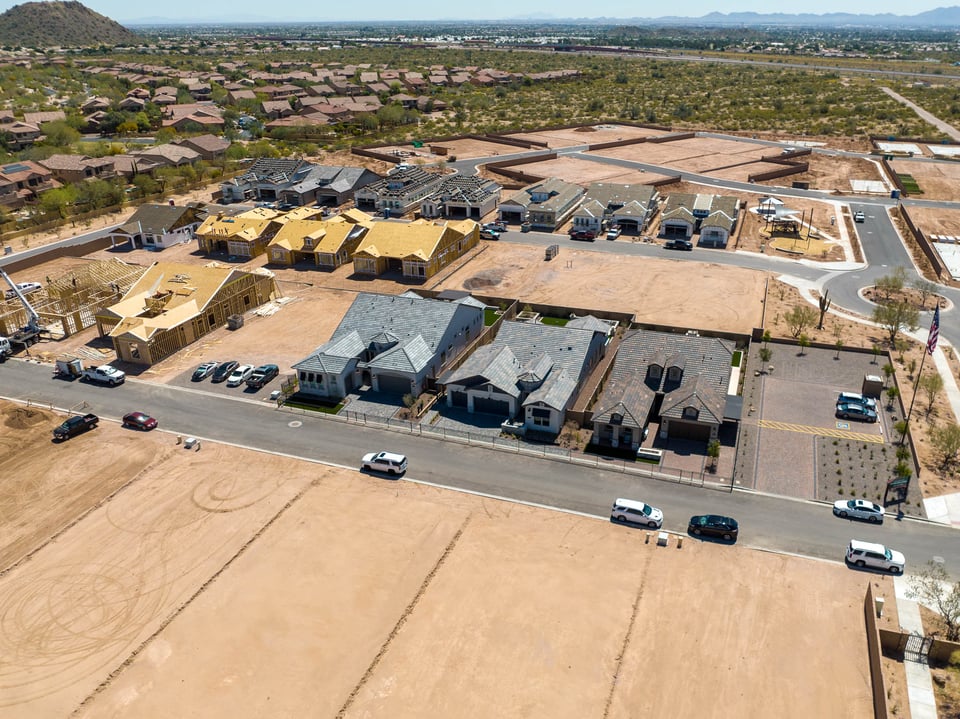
x=375, y=662
x=626, y=636
x=83, y=515
x=176, y=612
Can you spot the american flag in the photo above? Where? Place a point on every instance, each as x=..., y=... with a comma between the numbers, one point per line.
x=934, y=331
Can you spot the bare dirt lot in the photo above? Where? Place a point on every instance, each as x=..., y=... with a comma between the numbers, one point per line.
x=264, y=592
x=583, y=172
x=588, y=135
x=937, y=180
x=651, y=288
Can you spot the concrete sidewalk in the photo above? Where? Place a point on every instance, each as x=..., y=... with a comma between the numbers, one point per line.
x=923, y=704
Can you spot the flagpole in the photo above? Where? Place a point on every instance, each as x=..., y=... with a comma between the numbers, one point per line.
x=927, y=350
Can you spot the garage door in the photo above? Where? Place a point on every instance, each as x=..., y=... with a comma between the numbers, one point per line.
x=689, y=430
x=392, y=383
x=491, y=406
x=458, y=399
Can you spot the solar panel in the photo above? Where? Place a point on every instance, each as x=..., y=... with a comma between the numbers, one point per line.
x=17, y=167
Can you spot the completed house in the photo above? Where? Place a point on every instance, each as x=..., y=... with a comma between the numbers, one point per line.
x=606, y=204
x=530, y=373
x=680, y=381
x=545, y=205
x=391, y=344
x=77, y=168
x=157, y=226
x=174, y=304
x=713, y=216
x=418, y=249
x=296, y=182
x=22, y=183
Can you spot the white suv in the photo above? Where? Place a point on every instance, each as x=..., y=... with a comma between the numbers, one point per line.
x=876, y=556
x=629, y=510
x=387, y=462
x=239, y=375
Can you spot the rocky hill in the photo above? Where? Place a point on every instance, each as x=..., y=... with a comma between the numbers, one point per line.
x=60, y=24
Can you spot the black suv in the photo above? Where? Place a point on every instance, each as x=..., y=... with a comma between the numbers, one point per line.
x=678, y=244
x=224, y=370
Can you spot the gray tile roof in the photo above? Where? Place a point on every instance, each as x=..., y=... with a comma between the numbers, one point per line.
x=589, y=322
x=568, y=348
x=556, y=391
x=157, y=219
x=414, y=326
x=700, y=393
x=705, y=362
x=613, y=196
x=494, y=365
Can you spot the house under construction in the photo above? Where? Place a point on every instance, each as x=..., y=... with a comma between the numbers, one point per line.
x=175, y=304
x=69, y=303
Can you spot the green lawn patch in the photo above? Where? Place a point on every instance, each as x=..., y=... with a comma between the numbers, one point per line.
x=490, y=316
x=310, y=407
x=737, y=357
x=555, y=321
x=910, y=185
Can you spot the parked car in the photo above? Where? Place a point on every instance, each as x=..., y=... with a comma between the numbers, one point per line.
x=583, y=235
x=25, y=289
x=488, y=234
x=387, y=462
x=239, y=375
x=714, y=525
x=75, y=425
x=859, y=509
x=262, y=375
x=223, y=371
x=630, y=510
x=204, y=371
x=854, y=398
x=678, y=243
x=857, y=412
x=875, y=556
x=139, y=420
x=614, y=232
x=859, y=216
x=495, y=226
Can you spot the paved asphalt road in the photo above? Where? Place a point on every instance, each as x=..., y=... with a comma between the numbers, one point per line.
x=806, y=528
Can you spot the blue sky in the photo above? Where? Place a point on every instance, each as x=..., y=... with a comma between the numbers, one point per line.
x=125, y=11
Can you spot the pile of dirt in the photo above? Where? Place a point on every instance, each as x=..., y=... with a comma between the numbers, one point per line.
x=24, y=417
x=484, y=279
x=586, y=128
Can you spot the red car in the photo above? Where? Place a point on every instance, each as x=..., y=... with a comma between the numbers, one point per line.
x=583, y=235
x=139, y=420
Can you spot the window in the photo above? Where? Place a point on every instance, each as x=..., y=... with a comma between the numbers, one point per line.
x=691, y=413
x=655, y=371
x=674, y=374
x=542, y=421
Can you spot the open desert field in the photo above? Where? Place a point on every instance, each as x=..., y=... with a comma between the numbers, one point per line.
x=650, y=288
x=588, y=135
x=464, y=148
x=697, y=154
x=935, y=220
x=229, y=583
x=938, y=180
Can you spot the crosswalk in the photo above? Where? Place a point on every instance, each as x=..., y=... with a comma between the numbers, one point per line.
x=822, y=431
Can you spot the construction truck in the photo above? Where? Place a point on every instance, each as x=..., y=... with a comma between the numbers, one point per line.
x=6, y=349
x=71, y=368
x=30, y=332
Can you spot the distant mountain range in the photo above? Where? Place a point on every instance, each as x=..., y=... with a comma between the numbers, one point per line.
x=60, y=24
x=943, y=18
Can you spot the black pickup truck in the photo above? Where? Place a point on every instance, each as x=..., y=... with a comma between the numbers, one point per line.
x=75, y=425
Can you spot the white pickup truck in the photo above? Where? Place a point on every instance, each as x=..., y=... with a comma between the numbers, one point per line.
x=104, y=374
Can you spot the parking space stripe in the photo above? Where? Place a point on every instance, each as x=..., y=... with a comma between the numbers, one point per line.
x=822, y=431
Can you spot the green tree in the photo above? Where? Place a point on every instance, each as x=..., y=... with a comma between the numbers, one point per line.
x=765, y=354
x=804, y=342
x=926, y=288
x=800, y=318
x=713, y=452
x=945, y=440
x=59, y=134
x=895, y=317
x=931, y=384
x=892, y=393
x=932, y=586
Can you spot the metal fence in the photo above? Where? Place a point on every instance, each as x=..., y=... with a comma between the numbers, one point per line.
x=521, y=447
